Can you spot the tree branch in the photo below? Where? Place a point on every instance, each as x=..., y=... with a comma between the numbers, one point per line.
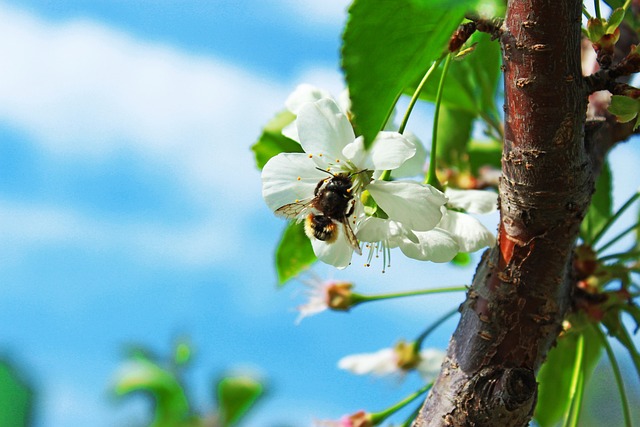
x=522, y=288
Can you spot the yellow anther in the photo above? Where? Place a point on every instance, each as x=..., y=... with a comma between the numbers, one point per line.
x=299, y=178
x=310, y=155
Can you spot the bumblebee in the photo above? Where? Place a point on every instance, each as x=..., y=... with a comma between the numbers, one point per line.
x=331, y=205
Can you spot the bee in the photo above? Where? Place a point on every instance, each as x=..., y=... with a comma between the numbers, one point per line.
x=331, y=205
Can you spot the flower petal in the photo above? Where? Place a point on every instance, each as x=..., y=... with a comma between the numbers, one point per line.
x=430, y=362
x=415, y=165
x=435, y=245
x=373, y=229
x=390, y=150
x=470, y=234
x=338, y=253
x=303, y=94
x=472, y=201
x=382, y=362
x=415, y=205
x=288, y=177
x=324, y=130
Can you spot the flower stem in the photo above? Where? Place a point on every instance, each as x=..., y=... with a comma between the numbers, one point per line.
x=432, y=178
x=617, y=375
x=620, y=256
x=360, y=298
x=575, y=394
x=614, y=217
x=378, y=417
x=414, y=414
x=585, y=12
x=596, y=6
x=416, y=93
x=618, y=237
x=433, y=327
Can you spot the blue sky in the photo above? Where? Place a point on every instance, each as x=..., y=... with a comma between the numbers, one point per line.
x=130, y=208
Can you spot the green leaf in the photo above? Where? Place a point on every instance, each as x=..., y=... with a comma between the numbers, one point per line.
x=143, y=375
x=624, y=108
x=15, y=398
x=183, y=353
x=472, y=81
x=615, y=20
x=454, y=132
x=388, y=44
x=554, y=378
x=272, y=141
x=616, y=328
x=600, y=209
x=484, y=153
x=462, y=259
x=294, y=253
x=236, y=395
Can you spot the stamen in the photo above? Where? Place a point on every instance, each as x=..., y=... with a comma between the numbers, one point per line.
x=320, y=155
x=299, y=178
x=310, y=155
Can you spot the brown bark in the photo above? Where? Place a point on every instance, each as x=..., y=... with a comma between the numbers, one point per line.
x=522, y=287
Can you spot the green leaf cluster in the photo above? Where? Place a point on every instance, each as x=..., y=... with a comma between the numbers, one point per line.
x=144, y=373
x=625, y=109
x=16, y=397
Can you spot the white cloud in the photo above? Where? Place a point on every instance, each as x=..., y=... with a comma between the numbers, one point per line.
x=82, y=89
x=83, y=92
x=318, y=12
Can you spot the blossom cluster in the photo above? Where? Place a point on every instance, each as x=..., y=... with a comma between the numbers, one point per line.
x=381, y=214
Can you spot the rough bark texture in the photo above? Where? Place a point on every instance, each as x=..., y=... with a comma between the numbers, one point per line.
x=522, y=287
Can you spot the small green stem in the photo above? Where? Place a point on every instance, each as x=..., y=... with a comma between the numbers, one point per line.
x=433, y=327
x=585, y=12
x=416, y=94
x=618, y=237
x=432, y=177
x=617, y=375
x=378, y=417
x=596, y=6
x=414, y=414
x=360, y=298
x=614, y=217
x=570, y=420
x=390, y=112
x=620, y=256
x=626, y=5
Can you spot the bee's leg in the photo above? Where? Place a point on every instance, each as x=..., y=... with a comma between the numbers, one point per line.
x=320, y=184
x=351, y=208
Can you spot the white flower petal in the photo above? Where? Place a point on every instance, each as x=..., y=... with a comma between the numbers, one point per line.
x=473, y=201
x=324, y=130
x=470, y=234
x=291, y=131
x=357, y=155
x=303, y=94
x=430, y=362
x=280, y=183
x=435, y=245
x=338, y=253
x=315, y=305
x=416, y=206
x=382, y=362
x=390, y=150
x=373, y=229
x=415, y=165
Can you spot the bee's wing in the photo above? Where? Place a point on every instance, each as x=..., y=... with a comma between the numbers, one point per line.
x=351, y=236
x=293, y=210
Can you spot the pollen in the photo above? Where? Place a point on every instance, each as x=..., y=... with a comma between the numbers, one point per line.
x=337, y=160
x=299, y=178
x=310, y=155
x=297, y=201
x=320, y=155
